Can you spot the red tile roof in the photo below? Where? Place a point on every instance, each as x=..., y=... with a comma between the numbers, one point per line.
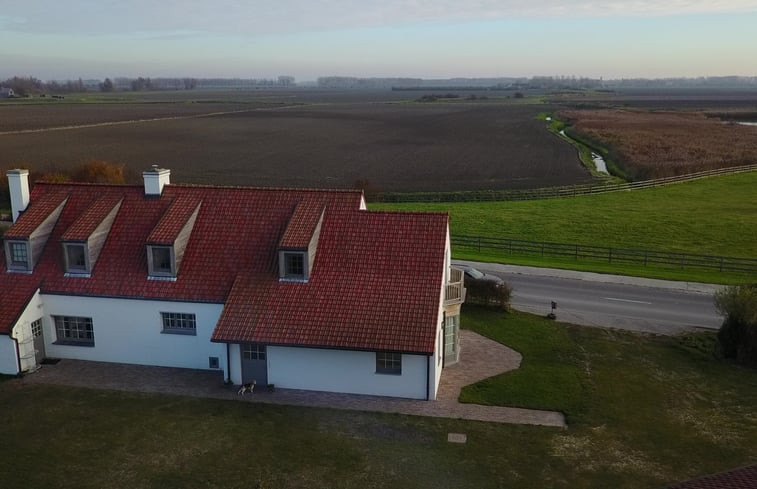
x=173, y=221
x=85, y=225
x=744, y=478
x=301, y=225
x=375, y=283
x=36, y=213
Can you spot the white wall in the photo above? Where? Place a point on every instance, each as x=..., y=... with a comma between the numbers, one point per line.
x=22, y=331
x=344, y=371
x=129, y=331
x=8, y=356
x=235, y=359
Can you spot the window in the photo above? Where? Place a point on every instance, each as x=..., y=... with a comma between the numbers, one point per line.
x=213, y=362
x=160, y=261
x=179, y=323
x=253, y=351
x=76, y=258
x=37, y=328
x=18, y=255
x=388, y=363
x=72, y=330
x=294, y=265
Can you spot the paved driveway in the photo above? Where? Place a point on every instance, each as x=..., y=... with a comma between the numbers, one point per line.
x=480, y=358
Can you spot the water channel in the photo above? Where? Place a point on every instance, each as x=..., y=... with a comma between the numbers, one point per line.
x=599, y=162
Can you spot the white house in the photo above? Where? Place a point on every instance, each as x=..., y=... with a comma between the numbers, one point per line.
x=7, y=92
x=304, y=289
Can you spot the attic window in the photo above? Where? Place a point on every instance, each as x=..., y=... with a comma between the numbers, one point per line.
x=294, y=265
x=160, y=261
x=17, y=253
x=76, y=258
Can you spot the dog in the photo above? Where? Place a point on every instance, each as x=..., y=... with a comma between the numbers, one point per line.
x=246, y=388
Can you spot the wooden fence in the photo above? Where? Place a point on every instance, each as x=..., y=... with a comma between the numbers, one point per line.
x=605, y=254
x=551, y=192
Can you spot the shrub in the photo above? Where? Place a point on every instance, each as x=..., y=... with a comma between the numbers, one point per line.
x=99, y=171
x=738, y=334
x=488, y=293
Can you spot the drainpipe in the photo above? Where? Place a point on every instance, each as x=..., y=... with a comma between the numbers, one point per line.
x=228, y=365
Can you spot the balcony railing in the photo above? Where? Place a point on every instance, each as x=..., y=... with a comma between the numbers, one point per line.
x=454, y=290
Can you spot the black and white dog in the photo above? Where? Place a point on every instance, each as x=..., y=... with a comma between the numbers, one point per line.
x=246, y=388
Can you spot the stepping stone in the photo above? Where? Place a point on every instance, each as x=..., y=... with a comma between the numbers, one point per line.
x=457, y=437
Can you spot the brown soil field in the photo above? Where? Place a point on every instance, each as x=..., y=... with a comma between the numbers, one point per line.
x=654, y=144
x=395, y=147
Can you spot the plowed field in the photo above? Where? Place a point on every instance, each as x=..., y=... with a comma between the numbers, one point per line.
x=395, y=147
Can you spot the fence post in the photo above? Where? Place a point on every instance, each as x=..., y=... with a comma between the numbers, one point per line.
x=609, y=254
x=646, y=257
x=721, y=263
x=479, y=244
x=542, y=248
x=576, y=252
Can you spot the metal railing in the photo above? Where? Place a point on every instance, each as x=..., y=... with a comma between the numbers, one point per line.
x=553, y=192
x=608, y=254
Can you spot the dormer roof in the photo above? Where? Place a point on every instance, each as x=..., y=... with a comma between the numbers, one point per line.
x=174, y=220
x=38, y=212
x=299, y=231
x=93, y=217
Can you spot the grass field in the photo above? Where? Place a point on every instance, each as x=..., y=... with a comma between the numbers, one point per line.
x=715, y=216
x=644, y=412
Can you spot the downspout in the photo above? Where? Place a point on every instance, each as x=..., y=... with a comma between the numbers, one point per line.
x=428, y=373
x=18, y=355
x=228, y=365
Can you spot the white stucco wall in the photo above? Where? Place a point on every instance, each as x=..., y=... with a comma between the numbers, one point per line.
x=22, y=331
x=8, y=356
x=435, y=361
x=235, y=360
x=129, y=331
x=344, y=371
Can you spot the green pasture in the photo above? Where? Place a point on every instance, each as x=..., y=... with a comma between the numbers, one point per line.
x=712, y=216
x=643, y=412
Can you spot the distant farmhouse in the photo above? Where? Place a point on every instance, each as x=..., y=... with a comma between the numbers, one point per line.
x=304, y=289
x=6, y=92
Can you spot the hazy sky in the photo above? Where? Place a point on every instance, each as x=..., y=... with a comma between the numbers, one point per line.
x=419, y=38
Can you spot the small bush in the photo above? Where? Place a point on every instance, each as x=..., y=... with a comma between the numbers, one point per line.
x=738, y=334
x=98, y=171
x=488, y=293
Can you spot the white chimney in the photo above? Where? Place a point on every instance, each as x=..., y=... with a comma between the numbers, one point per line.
x=155, y=179
x=18, y=184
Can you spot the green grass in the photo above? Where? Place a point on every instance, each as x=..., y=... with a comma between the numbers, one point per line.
x=651, y=402
x=644, y=412
x=715, y=216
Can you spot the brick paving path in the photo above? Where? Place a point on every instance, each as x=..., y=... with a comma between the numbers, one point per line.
x=480, y=358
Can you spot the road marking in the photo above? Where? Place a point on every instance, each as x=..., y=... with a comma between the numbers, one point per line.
x=625, y=300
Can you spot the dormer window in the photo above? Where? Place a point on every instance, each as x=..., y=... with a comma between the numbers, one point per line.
x=294, y=265
x=75, y=255
x=160, y=261
x=17, y=253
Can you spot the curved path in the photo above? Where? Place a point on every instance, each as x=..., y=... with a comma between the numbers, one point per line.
x=480, y=358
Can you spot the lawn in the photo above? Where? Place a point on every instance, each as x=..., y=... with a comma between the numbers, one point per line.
x=716, y=216
x=643, y=411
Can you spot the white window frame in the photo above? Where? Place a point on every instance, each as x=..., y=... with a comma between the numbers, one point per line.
x=285, y=274
x=183, y=323
x=76, y=331
x=14, y=265
x=152, y=271
x=388, y=363
x=66, y=258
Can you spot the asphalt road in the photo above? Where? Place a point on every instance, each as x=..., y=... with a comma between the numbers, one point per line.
x=655, y=306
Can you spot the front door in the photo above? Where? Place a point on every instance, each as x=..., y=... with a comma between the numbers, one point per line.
x=39, y=341
x=254, y=364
